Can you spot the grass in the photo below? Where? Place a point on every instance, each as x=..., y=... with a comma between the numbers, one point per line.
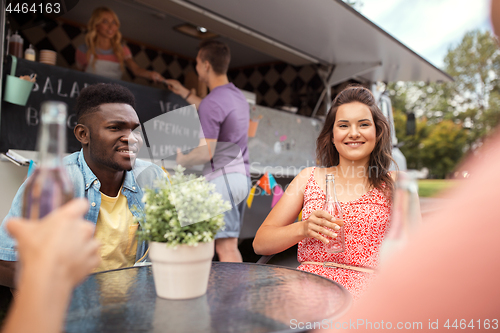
x=432, y=187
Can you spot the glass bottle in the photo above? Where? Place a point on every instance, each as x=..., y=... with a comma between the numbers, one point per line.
x=332, y=206
x=49, y=186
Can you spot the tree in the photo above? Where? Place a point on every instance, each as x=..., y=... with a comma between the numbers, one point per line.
x=452, y=118
x=410, y=143
x=475, y=65
x=442, y=149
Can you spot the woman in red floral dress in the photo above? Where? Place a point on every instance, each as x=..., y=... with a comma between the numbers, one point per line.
x=354, y=145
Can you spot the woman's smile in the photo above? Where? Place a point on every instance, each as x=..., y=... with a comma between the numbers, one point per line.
x=354, y=144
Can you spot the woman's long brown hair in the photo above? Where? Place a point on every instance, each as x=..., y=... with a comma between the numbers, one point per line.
x=91, y=36
x=381, y=156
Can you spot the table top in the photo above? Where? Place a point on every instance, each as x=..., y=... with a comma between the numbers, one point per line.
x=241, y=297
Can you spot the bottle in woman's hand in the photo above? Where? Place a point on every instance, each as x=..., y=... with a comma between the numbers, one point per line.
x=332, y=206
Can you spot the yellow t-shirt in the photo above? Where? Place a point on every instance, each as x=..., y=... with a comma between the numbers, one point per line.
x=115, y=229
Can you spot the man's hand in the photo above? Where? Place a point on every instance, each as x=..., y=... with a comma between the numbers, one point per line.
x=177, y=88
x=180, y=159
x=200, y=155
x=60, y=244
x=156, y=77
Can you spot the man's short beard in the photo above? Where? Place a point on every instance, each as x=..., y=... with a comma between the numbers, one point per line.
x=107, y=162
x=96, y=155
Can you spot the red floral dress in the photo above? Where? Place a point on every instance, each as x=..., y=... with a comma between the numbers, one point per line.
x=365, y=222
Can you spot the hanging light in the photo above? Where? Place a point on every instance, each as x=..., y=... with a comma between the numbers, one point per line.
x=198, y=32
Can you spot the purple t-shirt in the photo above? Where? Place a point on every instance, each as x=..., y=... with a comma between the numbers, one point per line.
x=225, y=115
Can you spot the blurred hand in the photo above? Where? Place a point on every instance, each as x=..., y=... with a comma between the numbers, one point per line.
x=176, y=87
x=156, y=77
x=316, y=226
x=61, y=244
x=180, y=157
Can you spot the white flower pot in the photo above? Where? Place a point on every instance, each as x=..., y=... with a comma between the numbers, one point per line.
x=183, y=272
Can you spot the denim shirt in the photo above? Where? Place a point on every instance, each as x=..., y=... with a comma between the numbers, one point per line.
x=87, y=185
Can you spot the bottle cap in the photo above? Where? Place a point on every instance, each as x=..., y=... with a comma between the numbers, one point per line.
x=29, y=53
x=16, y=37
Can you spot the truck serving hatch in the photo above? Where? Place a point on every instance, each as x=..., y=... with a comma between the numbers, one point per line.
x=326, y=32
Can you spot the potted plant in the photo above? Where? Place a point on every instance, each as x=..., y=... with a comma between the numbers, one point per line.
x=180, y=222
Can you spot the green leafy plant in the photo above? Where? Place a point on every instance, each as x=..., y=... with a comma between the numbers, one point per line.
x=187, y=211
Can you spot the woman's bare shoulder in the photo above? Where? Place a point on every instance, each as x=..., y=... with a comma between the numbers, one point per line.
x=302, y=178
x=305, y=173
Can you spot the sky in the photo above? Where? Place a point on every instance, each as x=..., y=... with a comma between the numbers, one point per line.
x=428, y=27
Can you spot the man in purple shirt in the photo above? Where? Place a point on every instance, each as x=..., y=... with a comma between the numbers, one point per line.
x=224, y=116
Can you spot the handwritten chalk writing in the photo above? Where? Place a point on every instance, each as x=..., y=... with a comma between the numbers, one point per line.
x=59, y=86
x=47, y=85
x=187, y=111
x=167, y=106
x=31, y=116
x=163, y=151
x=55, y=83
x=71, y=121
x=170, y=128
x=75, y=90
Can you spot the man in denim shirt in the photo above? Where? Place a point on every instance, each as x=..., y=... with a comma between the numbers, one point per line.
x=106, y=172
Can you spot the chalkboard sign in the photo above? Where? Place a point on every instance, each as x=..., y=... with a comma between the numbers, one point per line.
x=19, y=124
x=178, y=128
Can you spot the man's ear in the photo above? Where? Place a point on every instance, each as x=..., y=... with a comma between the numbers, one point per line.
x=207, y=65
x=82, y=134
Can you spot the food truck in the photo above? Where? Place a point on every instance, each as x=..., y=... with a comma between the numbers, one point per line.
x=290, y=57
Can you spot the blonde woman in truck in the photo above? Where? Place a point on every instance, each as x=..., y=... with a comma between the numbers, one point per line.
x=104, y=52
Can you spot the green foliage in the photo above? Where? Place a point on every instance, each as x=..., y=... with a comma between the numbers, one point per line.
x=411, y=143
x=437, y=146
x=188, y=211
x=455, y=117
x=442, y=149
x=475, y=65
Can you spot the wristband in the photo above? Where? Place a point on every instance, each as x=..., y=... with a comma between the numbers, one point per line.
x=189, y=94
